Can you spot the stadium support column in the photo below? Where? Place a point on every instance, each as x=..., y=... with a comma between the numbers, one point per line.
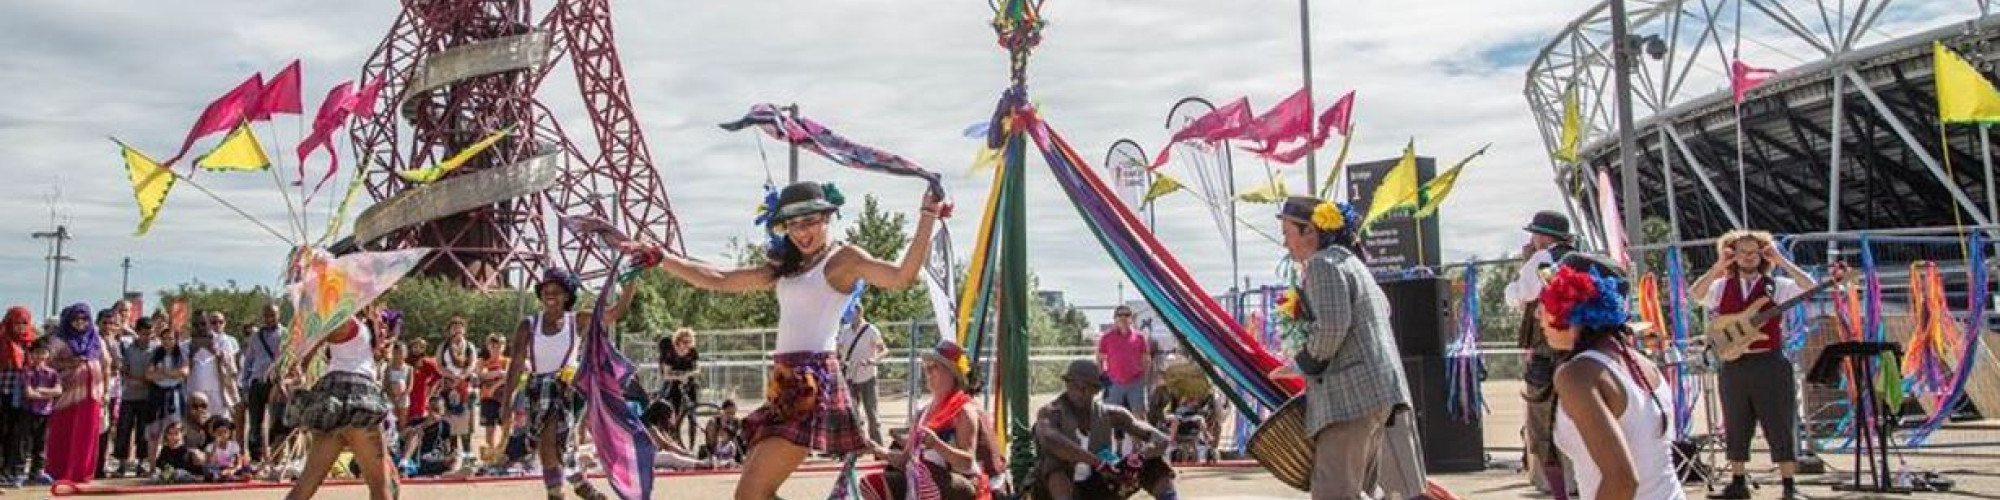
x=1628, y=158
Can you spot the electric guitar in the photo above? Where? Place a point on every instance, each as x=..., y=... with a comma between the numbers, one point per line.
x=1731, y=335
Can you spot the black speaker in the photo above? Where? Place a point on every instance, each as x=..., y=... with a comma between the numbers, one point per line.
x=1449, y=445
x=1418, y=309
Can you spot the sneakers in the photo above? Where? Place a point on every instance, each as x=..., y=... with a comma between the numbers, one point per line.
x=42, y=479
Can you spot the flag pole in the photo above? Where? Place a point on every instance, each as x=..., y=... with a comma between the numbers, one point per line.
x=1306, y=61
x=232, y=207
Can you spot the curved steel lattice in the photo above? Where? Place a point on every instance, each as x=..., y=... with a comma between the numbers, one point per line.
x=459, y=70
x=1803, y=160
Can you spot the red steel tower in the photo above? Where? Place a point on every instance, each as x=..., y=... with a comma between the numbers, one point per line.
x=459, y=70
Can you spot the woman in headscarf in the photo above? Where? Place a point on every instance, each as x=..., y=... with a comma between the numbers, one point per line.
x=80, y=358
x=16, y=333
x=807, y=406
x=946, y=443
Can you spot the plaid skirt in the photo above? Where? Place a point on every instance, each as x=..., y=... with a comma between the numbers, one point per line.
x=805, y=402
x=339, y=400
x=552, y=401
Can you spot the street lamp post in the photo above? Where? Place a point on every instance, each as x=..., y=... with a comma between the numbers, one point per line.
x=1628, y=158
x=56, y=259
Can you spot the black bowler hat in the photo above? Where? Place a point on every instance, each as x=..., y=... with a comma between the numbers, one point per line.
x=1299, y=209
x=802, y=199
x=1550, y=223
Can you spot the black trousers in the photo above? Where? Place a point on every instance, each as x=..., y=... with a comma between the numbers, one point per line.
x=256, y=405
x=128, y=432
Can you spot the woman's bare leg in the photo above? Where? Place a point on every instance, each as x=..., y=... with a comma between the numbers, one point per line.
x=372, y=453
x=771, y=462
x=325, y=448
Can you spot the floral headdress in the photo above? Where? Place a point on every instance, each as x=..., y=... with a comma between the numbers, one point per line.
x=1586, y=299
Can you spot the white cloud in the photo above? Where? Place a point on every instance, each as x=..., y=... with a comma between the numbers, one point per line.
x=906, y=76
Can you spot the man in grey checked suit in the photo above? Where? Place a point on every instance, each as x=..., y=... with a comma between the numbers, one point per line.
x=1353, y=375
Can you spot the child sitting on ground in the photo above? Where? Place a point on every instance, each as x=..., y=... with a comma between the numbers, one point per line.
x=176, y=461
x=226, y=460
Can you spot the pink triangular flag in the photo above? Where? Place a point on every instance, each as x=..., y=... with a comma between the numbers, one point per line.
x=1222, y=124
x=222, y=115
x=1743, y=77
x=332, y=114
x=280, y=96
x=1288, y=120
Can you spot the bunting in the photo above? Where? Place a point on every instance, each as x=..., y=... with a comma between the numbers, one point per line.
x=432, y=173
x=150, y=184
x=1163, y=185
x=1396, y=188
x=223, y=114
x=1964, y=95
x=1432, y=195
x=1222, y=124
x=1743, y=77
x=239, y=151
x=280, y=95
x=1572, y=128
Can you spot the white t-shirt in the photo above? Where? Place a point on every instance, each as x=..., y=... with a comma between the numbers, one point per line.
x=857, y=356
x=205, y=371
x=1782, y=289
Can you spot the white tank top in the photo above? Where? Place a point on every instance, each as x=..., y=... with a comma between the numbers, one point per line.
x=1652, y=457
x=356, y=355
x=809, y=310
x=550, y=353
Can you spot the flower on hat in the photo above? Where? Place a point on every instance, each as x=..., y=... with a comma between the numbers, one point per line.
x=1584, y=298
x=1328, y=217
x=833, y=195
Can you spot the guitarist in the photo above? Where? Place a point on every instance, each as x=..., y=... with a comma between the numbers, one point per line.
x=1757, y=388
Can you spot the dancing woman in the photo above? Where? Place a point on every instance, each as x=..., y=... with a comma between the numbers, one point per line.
x=547, y=350
x=806, y=404
x=1612, y=422
x=344, y=410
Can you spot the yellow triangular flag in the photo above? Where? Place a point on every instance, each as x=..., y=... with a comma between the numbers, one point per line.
x=239, y=151
x=1398, y=187
x=1270, y=192
x=432, y=173
x=1163, y=185
x=1964, y=96
x=1572, y=127
x=150, y=183
x=1433, y=193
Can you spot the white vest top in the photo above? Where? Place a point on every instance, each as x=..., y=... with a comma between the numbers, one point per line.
x=550, y=353
x=809, y=310
x=356, y=355
x=1643, y=424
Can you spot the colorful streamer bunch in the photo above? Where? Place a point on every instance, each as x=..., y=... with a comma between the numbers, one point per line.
x=1687, y=383
x=1228, y=353
x=1464, y=399
x=1967, y=348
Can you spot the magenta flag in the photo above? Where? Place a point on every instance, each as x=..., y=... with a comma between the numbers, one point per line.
x=1743, y=77
x=280, y=96
x=332, y=113
x=1220, y=125
x=222, y=115
x=1338, y=118
x=1614, y=228
x=362, y=103
x=1288, y=120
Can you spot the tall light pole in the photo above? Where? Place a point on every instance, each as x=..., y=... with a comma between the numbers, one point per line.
x=793, y=176
x=56, y=259
x=1306, y=60
x=1622, y=55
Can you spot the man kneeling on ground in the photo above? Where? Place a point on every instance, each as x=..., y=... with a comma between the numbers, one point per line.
x=1079, y=459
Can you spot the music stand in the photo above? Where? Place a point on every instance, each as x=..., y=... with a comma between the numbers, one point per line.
x=1871, y=435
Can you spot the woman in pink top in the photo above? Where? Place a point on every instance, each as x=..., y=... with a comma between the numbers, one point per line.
x=80, y=357
x=1127, y=357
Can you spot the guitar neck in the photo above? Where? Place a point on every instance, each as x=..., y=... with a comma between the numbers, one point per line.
x=1774, y=311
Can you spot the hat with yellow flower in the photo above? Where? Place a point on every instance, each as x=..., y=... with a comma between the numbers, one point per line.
x=1326, y=216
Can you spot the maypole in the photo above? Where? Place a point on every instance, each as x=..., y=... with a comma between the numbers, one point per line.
x=1018, y=25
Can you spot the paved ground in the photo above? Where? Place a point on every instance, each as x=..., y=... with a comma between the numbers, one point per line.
x=1975, y=467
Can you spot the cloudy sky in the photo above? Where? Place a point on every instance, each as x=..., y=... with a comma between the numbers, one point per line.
x=907, y=76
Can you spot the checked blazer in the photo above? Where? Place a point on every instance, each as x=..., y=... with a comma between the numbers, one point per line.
x=1350, y=332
